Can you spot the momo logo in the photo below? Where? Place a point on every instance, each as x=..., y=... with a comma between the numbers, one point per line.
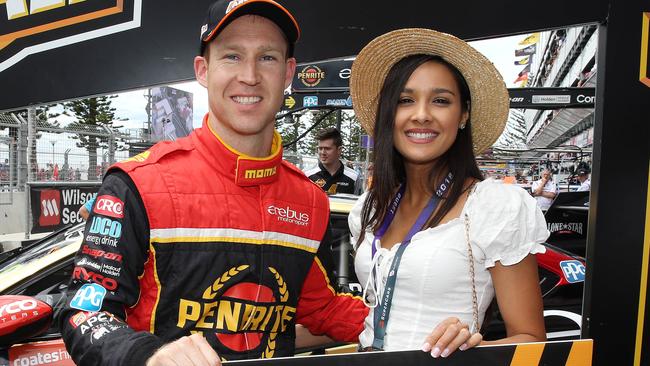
x=311, y=75
x=50, y=207
x=109, y=206
x=241, y=315
x=260, y=173
x=33, y=26
x=287, y=214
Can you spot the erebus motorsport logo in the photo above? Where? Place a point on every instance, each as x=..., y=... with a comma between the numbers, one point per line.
x=287, y=214
x=50, y=207
x=32, y=26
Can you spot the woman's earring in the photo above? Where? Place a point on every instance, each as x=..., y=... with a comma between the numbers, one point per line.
x=461, y=127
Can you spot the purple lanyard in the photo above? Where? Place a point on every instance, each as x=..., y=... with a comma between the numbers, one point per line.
x=424, y=215
x=382, y=313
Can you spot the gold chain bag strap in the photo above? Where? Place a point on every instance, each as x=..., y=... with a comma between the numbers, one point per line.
x=474, y=327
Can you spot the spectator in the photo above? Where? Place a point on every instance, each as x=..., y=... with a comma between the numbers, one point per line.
x=544, y=190
x=331, y=174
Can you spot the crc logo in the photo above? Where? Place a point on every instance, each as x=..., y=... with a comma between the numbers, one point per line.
x=311, y=75
x=89, y=297
x=574, y=271
x=109, y=206
x=310, y=101
x=50, y=207
x=41, y=25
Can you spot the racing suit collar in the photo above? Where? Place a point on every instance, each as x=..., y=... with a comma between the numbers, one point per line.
x=243, y=169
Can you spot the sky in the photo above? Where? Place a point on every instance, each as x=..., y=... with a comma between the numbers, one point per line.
x=132, y=104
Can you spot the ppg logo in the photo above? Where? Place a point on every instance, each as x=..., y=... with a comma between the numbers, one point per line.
x=50, y=207
x=310, y=101
x=574, y=271
x=89, y=297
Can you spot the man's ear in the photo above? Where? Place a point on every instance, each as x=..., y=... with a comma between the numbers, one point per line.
x=201, y=70
x=291, y=70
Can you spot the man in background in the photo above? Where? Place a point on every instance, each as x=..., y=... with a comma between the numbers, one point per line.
x=331, y=174
x=544, y=190
x=583, y=178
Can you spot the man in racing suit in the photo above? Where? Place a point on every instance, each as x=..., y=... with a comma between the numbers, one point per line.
x=211, y=235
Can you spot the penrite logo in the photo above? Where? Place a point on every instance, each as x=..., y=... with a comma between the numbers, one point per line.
x=240, y=314
x=50, y=207
x=311, y=75
x=35, y=26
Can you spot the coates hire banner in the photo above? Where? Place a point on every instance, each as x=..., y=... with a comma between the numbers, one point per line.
x=56, y=207
x=328, y=75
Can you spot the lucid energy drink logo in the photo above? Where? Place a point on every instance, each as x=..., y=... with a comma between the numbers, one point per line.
x=28, y=27
x=50, y=207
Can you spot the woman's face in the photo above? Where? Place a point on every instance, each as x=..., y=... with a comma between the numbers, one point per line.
x=428, y=115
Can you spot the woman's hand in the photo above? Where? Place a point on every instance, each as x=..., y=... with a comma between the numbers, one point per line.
x=449, y=336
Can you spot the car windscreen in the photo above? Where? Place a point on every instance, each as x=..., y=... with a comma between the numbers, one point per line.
x=41, y=250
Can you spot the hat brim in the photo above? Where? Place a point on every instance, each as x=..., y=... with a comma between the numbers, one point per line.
x=490, y=102
x=264, y=8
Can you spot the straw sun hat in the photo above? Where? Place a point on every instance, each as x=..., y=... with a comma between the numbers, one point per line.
x=489, y=96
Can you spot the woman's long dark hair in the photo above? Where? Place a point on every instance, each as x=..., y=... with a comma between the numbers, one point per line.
x=389, y=171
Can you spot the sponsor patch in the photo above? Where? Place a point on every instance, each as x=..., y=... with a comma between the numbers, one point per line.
x=89, y=297
x=105, y=226
x=102, y=240
x=109, y=206
x=573, y=270
x=80, y=317
x=98, y=253
x=85, y=262
x=287, y=214
x=81, y=273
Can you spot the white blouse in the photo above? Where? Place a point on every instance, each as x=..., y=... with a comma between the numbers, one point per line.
x=433, y=280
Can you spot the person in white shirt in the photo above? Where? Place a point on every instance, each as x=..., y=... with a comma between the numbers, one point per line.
x=583, y=178
x=544, y=190
x=434, y=241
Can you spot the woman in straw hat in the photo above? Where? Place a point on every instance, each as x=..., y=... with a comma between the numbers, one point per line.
x=432, y=102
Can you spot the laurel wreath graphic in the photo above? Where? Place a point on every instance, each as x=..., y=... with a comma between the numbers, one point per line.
x=211, y=292
x=282, y=286
x=270, y=346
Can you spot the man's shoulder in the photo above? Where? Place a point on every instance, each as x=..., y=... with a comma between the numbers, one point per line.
x=299, y=178
x=350, y=173
x=155, y=154
x=312, y=171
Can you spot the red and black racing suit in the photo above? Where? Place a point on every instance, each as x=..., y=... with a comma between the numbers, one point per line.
x=191, y=236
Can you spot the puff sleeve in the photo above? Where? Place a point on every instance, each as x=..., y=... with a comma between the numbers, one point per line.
x=505, y=223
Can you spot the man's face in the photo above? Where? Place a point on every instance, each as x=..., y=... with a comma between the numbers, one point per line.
x=546, y=175
x=328, y=153
x=246, y=74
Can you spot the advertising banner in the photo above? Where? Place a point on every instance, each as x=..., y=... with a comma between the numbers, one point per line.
x=171, y=113
x=294, y=102
x=55, y=207
x=327, y=75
